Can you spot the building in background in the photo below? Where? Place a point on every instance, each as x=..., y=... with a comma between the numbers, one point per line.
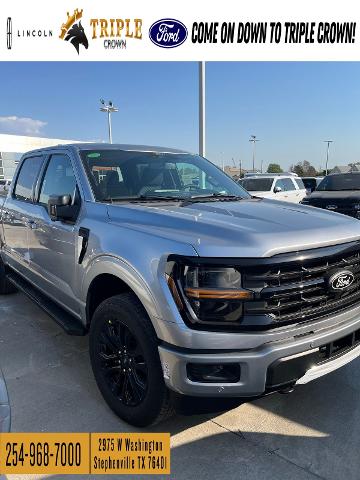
x=346, y=168
x=235, y=172
x=13, y=146
x=8, y=162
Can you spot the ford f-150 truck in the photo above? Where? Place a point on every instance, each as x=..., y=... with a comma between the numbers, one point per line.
x=188, y=286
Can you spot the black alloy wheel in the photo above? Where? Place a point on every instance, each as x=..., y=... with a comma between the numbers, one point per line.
x=123, y=363
x=125, y=359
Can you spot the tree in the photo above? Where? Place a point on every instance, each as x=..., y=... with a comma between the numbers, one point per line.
x=304, y=169
x=298, y=169
x=274, y=168
x=309, y=170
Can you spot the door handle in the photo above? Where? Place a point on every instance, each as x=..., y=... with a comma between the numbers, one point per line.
x=31, y=224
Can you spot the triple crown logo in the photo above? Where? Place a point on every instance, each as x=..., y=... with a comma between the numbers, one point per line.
x=73, y=30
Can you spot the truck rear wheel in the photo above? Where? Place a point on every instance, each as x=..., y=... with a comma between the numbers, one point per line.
x=5, y=286
x=126, y=363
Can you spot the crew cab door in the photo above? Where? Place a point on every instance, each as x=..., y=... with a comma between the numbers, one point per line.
x=53, y=244
x=301, y=190
x=290, y=191
x=17, y=214
x=281, y=194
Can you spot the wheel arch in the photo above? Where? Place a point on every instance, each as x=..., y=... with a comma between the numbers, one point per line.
x=108, y=276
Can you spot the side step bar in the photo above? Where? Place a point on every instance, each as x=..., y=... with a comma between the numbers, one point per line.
x=70, y=324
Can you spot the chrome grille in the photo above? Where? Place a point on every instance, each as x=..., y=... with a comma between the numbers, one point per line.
x=299, y=290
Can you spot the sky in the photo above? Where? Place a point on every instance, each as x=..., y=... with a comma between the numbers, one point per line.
x=291, y=107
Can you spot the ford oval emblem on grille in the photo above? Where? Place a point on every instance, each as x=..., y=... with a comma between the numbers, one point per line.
x=168, y=33
x=341, y=280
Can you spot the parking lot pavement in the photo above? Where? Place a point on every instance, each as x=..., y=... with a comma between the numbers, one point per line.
x=312, y=433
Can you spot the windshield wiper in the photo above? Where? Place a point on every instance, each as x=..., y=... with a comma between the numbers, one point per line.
x=143, y=198
x=158, y=198
x=185, y=200
x=213, y=197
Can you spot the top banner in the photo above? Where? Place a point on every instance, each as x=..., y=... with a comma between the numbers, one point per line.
x=140, y=30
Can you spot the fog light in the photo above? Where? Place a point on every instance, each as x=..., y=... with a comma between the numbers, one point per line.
x=213, y=373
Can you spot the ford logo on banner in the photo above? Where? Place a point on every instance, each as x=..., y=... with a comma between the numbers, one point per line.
x=168, y=33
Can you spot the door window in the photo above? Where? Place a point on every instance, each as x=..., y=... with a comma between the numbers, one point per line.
x=288, y=184
x=300, y=183
x=27, y=177
x=279, y=183
x=59, y=178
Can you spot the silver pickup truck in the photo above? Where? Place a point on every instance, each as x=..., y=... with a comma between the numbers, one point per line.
x=189, y=287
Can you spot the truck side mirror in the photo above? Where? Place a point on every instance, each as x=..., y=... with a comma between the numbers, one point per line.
x=277, y=189
x=60, y=208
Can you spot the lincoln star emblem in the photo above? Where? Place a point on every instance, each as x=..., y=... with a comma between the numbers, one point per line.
x=341, y=280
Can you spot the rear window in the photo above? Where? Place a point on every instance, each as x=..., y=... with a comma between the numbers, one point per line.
x=338, y=182
x=310, y=183
x=27, y=177
x=257, y=184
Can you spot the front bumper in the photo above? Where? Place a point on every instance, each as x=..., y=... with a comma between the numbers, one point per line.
x=256, y=364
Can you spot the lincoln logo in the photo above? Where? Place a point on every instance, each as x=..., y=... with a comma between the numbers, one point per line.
x=341, y=280
x=9, y=33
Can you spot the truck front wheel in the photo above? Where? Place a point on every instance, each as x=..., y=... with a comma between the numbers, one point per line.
x=125, y=361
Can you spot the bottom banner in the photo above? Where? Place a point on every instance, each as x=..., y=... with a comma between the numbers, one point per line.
x=85, y=453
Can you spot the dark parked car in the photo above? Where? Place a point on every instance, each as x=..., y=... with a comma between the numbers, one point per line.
x=338, y=193
x=311, y=183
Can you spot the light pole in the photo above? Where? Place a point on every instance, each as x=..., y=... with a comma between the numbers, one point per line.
x=109, y=108
x=202, y=109
x=253, y=140
x=327, y=154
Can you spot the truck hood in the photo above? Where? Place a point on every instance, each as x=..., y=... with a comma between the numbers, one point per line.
x=245, y=228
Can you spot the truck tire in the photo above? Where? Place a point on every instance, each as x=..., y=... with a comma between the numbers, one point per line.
x=5, y=286
x=126, y=363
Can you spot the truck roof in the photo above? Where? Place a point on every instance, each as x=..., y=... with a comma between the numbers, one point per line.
x=113, y=146
x=265, y=175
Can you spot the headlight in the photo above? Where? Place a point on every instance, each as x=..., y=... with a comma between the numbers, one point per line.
x=208, y=295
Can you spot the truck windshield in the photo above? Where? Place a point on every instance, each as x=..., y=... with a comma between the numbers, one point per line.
x=122, y=175
x=338, y=182
x=257, y=184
